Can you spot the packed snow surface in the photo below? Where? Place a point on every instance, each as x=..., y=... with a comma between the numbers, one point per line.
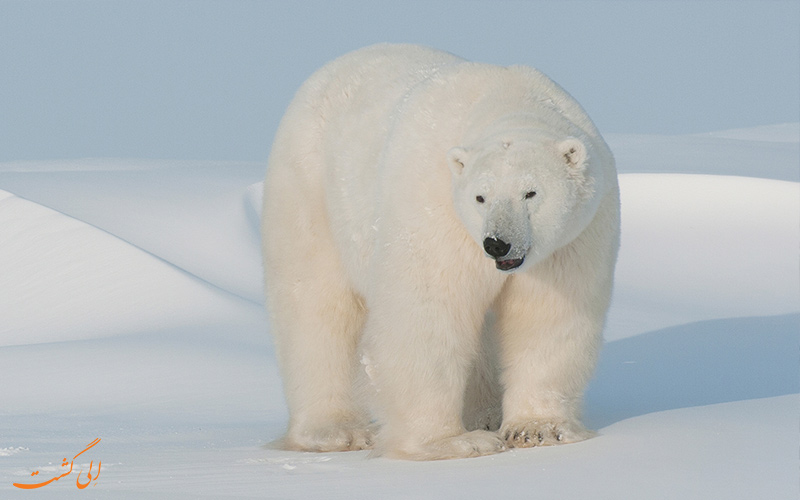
x=131, y=311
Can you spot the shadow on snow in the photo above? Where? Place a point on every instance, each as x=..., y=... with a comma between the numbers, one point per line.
x=696, y=364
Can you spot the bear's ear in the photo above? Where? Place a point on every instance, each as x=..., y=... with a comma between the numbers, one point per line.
x=456, y=159
x=573, y=151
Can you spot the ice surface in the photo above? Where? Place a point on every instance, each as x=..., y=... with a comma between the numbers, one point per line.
x=130, y=310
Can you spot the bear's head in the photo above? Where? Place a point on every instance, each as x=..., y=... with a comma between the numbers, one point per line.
x=524, y=194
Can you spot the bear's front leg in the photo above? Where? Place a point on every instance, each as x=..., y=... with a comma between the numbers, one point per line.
x=419, y=346
x=419, y=366
x=550, y=329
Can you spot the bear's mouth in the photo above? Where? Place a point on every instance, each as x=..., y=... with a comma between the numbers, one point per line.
x=507, y=265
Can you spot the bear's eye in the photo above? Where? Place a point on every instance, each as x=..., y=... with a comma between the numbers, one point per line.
x=530, y=194
x=479, y=199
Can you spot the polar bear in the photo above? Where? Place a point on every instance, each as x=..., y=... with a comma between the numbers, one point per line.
x=439, y=240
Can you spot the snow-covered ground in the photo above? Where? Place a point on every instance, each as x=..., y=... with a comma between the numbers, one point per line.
x=131, y=311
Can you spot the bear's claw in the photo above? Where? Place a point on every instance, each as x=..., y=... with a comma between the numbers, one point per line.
x=543, y=433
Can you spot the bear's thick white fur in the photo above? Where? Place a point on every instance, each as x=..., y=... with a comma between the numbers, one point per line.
x=391, y=169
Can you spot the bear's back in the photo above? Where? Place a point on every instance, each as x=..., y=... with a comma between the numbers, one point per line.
x=354, y=116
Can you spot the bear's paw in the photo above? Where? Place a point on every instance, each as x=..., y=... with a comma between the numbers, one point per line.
x=330, y=438
x=469, y=444
x=543, y=433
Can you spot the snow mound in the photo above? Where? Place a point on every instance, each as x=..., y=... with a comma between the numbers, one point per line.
x=744, y=153
x=65, y=279
x=782, y=132
x=698, y=247
x=198, y=216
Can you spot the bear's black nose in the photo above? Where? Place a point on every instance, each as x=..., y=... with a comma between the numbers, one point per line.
x=496, y=248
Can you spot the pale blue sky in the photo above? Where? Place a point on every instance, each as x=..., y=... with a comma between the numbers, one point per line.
x=210, y=79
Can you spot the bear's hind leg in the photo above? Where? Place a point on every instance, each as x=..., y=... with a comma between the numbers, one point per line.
x=316, y=323
x=316, y=328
